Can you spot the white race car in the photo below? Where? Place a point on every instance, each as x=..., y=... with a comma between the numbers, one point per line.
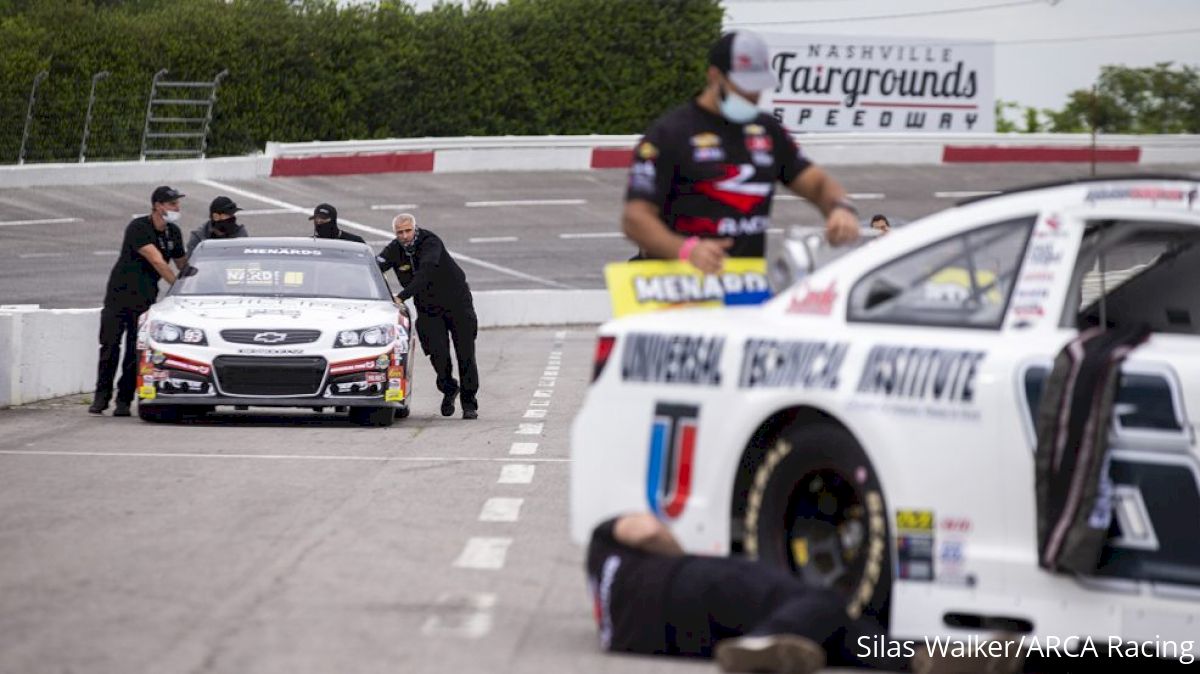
x=872, y=425
x=277, y=322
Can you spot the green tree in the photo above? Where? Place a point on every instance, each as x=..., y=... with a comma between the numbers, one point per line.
x=1157, y=99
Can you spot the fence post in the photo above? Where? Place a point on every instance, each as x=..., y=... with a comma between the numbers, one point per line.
x=149, y=108
x=29, y=113
x=87, y=121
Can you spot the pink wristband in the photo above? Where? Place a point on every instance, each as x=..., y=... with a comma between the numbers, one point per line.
x=685, y=251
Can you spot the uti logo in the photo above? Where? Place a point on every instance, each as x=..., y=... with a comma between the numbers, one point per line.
x=672, y=452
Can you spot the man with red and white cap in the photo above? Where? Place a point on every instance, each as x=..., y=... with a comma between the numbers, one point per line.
x=704, y=173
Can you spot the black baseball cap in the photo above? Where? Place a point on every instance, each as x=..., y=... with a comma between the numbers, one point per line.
x=324, y=210
x=223, y=204
x=744, y=58
x=163, y=194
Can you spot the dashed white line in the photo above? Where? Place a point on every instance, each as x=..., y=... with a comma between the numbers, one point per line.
x=523, y=448
x=47, y=221
x=545, y=383
x=483, y=553
x=529, y=429
x=516, y=473
x=535, y=414
x=964, y=194
x=501, y=509
x=866, y=196
x=539, y=403
x=462, y=616
x=492, y=239
x=527, y=202
x=386, y=234
x=105, y=252
x=393, y=207
x=34, y=256
x=592, y=235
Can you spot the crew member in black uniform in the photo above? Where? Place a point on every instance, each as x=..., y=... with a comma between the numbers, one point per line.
x=325, y=225
x=150, y=241
x=703, y=175
x=221, y=224
x=445, y=308
x=651, y=598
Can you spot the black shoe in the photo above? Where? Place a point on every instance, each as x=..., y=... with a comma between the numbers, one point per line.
x=773, y=653
x=98, y=406
x=122, y=409
x=448, y=403
x=469, y=413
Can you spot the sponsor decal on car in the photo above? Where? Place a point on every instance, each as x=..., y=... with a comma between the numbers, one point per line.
x=281, y=251
x=653, y=285
x=147, y=392
x=1045, y=254
x=672, y=453
x=914, y=545
x=375, y=377
x=816, y=301
x=177, y=363
x=919, y=382
x=672, y=359
x=952, y=533
x=360, y=365
x=1153, y=193
x=807, y=364
x=265, y=351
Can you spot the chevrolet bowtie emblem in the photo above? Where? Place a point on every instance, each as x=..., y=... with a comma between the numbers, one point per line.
x=270, y=337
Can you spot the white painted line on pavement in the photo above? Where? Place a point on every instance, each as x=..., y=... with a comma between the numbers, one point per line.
x=866, y=196
x=964, y=194
x=530, y=429
x=275, y=457
x=383, y=233
x=523, y=448
x=535, y=414
x=264, y=211
x=463, y=616
x=48, y=221
x=492, y=239
x=483, y=553
x=32, y=256
x=393, y=207
x=105, y=252
x=544, y=383
x=539, y=403
x=550, y=373
x=516, y=473
x=592, y=235
x=527, y=202
x=501, y=509
x=560, y=335
x=774, y=230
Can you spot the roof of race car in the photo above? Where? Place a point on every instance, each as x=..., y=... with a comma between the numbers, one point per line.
x=310, y=242
x=1125, y=177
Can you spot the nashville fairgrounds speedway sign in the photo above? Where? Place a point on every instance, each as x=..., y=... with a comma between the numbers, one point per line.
x=879, y=84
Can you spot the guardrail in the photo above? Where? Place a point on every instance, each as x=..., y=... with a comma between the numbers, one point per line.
x=47, y=353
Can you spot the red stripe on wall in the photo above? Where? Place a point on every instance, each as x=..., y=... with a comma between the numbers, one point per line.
x=610, y=157
x=398, y=162
x=980, y=154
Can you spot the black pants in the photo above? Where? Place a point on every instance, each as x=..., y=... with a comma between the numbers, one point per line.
x=115, y=322
x=437, y=331
x=711, y=599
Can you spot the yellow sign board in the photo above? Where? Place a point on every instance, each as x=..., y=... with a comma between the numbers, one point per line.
x=641, y=286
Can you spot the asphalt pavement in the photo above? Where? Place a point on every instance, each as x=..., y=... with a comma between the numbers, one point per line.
x=510, y=230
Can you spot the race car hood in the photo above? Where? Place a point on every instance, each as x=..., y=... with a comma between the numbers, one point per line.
x=274, y=310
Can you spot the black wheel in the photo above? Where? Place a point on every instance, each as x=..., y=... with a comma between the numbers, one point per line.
x=815, y=507
x=373, y=416
x=159, y=414
x=402, y=412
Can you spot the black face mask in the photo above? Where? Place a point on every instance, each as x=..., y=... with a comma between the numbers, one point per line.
x=224, y=227
x=327, y=230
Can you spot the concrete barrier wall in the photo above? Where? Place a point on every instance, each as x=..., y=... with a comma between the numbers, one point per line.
x=47, y=353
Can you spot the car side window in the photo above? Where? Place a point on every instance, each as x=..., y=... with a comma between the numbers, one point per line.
x=961, y=281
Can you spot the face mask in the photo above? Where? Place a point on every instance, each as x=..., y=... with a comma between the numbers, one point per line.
x=224, y=227
x=327, y=230
x=171, y=216
x=737, y=109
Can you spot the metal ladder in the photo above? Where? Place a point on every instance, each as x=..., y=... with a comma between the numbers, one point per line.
x=177, y=124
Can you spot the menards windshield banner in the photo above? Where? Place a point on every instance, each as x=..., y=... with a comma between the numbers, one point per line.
x=873, y=84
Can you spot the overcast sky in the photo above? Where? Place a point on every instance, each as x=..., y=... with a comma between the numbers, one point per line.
x=1040, y=74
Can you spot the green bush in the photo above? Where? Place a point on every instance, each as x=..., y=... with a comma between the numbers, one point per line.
x=304, y=70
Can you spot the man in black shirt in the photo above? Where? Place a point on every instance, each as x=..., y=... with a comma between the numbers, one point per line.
x=445, y=308
x=150, y=241
x=704, y=173
x=221, y=224
x=325, y=225
x=651, y=598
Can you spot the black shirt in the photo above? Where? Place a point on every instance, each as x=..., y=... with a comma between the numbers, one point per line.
x=133, y=282
x=429, y=275
x=629, y=591
x=710, y=177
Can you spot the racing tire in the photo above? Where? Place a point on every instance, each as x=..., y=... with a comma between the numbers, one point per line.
x=403, y=412
x=158, y=414
x=378, y=417
x=815, y=507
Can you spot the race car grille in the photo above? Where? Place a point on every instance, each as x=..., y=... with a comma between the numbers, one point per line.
x=265, y=376
x=270, y=337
